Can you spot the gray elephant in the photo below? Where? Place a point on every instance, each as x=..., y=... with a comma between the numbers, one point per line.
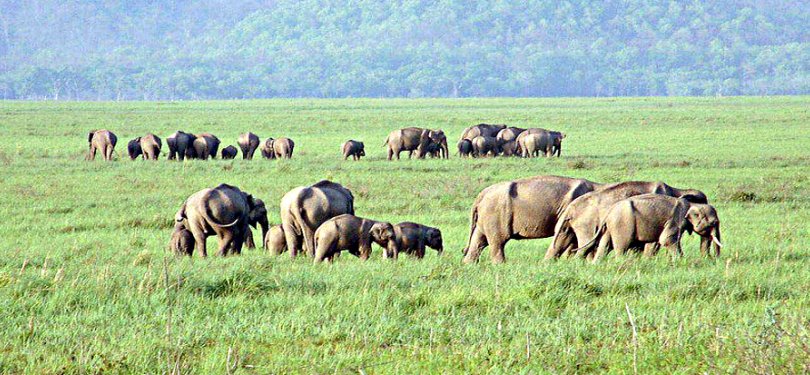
x=181, y=145
x=509, y=134
x=206, y=146
x=531, y=145
x=486, y=130
x=509, y=148
x=275, y=241
x=355, y=234
x=412, y=238
x=101, y=140
x=436, y=146
x=182, y=241
x=283, y=148
x=257, y=220
x=229, y=153
x=266, y=148
x=414, y=139
x=521, y=209
x=305, y=208
x=248, y=143
x=657, y=220
x=353, y=148
x=224, y=211
x=483, y=146
x=552, y=141
x=465, y=148
x=579, y=221
x=147, y=146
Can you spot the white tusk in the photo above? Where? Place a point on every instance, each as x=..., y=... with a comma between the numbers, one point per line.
x=716, y=242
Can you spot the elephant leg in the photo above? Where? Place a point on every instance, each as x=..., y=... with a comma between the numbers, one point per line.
x=249, y=239
x=651, y=249
x=705, y=243
x=325, y=250
x=225, y=243
x=602, y=249
x=91, y=155
x=477, y=243
x=293, y=240
x=199, y=243
x=236, y=243
x=109, y=152
x=496, y=251
x=558, y=245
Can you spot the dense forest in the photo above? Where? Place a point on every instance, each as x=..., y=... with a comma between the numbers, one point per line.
x=200, y=49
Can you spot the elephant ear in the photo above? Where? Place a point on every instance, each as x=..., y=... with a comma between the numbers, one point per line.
x=181, y=213
x=90, y=137
x=676, y=223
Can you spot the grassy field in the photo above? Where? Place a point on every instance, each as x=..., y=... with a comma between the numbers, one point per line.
x=87, y=286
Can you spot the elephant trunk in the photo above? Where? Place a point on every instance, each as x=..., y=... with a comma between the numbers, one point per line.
x=392, y=249
x=716, y=239
x=265, y=228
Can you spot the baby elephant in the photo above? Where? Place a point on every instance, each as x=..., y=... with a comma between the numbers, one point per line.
x=182, y=242
x=465, y=148
x=412, y=238
x=355, y=234
x=274, y=241
x=353, y=148
x=655, y=220
x=229, y=152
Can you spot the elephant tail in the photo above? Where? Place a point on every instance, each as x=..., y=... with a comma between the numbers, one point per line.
x=297, y=212
x=588, y=246
x=386, y=141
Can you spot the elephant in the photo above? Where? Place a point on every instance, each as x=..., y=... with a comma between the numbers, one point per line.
x=509, y=148
x=248, y=143
x=355, y=234
x=522, y=209
x=414, y=139
x=266, y=149
x=655, y=220
x=258, y=219
x=578, y=222
x=412, y=238
x=283, y=148
x=275, y=242
x=353, y=148
x=509, y=134
x=485, y=130
x=436, y=146
x=483, y=146
x=229, y=152
x=181, y=145
x=225, y=211
x=182, y=241
x=305, y=208
x=532, y=144
x=465, y=148
x=101, y=140
x=552, y=140
x=206, y=145
x=149, y=146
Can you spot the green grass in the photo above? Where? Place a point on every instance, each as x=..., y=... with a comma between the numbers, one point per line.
x=87, y=286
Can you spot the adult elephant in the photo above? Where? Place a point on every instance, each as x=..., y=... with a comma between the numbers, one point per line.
x=206, y=145
x=552, y=144
x=414, y=139
x=101, y=140
x=149, y=146
x=486, y=130
x=248, y=143
x=224, y=211
x=531, y=145
x=521, y=209
x=509, y=134
x=283, y=148
x=305, y=208
x=579, y=221
x=437, y=145
x=181, y=145
x=266, y=148
x=483, y=146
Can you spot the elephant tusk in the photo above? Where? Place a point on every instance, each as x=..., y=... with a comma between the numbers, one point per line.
x=716, y=241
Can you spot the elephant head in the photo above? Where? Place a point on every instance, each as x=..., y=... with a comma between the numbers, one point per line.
x=134, y=148
x=383, y=234
x=433, y=238
x=694, y=196
x=257, y=214
x=703, y=220
x=362, y=151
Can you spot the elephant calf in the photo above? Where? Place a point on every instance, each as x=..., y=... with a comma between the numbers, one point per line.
x=229, y=153
x=655, y=219
x=182, y=241
x=355, y=234
x=412, y=238
x=465, y=148
x=274, y=241
x=353, y=148
x=483, y=146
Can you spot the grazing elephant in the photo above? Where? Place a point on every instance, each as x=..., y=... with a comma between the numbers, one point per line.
x=206, y=145
x=509, y=134
x=134, y=148
x=229, y=153
x=521, y=209
x=257, y=219
x=275, y=242
x=414, y=139
x=509, y=148
x=248, y=143
x=465, y=148
x=149, y=146
x=483, y=146
x=182, y=241
x=266, y=149
x=353, y=148
x=657, y=220
x=225, y=211
x=412, y=238
x=532, y=144
x=578, y=222
x=556, y=140
x=181, y=145
x=552, y=141
x=355, y=234
x=305, y=208
x=485, y=130
x=283, y=148
x=101, y=140
x=436, y=145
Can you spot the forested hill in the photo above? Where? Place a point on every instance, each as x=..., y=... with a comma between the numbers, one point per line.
x=115, y=49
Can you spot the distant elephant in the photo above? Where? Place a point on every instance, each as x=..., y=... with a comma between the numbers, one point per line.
x=181, y=145
x=657, y=220
x=305, y=208
x=578, y=222
x=103, y=140
x=436, y=146
x=206, y=145
x=465, y=148
x=134, y=148
x=521, y=209
x=413, y=139
x=355, y=234
x=552, y=141
x=275, y=242
x=266, y=149
x=412, y=238
x=283, y=148
x=257, y=220
x=149, y=146
x=248, y=143
x=483, y=146
x=229, y=152
x=556, y=140
x=485, y=130
x=225, y=211
x=509, y=148
x=509, y=134
x=353, y=148
x=531, y=145
x=182, y=241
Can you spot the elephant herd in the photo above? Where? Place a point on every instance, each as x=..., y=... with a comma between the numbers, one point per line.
x=184, y=145
x=484, y=139
x=586, y=220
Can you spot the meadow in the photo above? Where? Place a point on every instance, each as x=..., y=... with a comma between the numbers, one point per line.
x=87, y=284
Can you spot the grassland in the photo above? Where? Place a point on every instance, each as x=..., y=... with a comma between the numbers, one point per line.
x=87, y=286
